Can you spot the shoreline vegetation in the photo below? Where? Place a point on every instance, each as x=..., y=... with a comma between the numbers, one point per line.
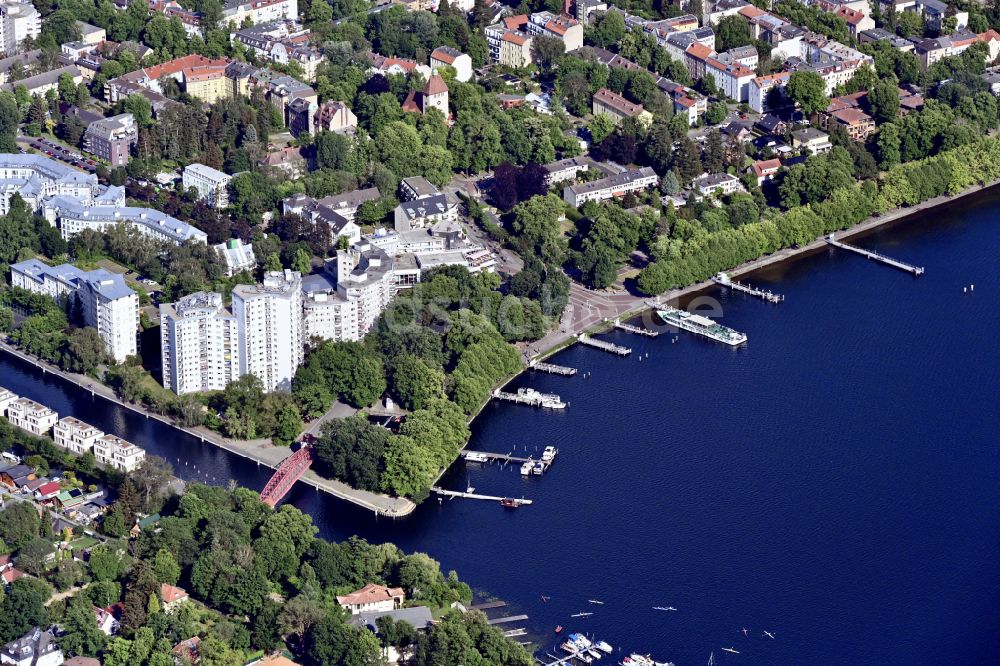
x=399, y=507
x=260, y=580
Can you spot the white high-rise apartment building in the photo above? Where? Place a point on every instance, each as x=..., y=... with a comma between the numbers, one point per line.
x=269, y=321
x=108, y=304
x=198, y=344
x=18, y=21
x=112, y=308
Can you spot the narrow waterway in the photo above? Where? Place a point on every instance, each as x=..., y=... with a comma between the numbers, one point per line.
x=835, y=481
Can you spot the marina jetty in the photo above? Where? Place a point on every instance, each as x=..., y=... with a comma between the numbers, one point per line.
x=529, y=396
x=603, y=345
x=551, y=368
x=725, y=281
x=868, y=254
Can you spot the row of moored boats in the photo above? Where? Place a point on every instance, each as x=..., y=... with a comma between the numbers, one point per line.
x=584, y=650
x=538, y=467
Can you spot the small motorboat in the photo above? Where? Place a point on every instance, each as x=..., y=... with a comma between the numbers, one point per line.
x=559, y=628
x=527, y=467
x=510, y=503
x=604, y=647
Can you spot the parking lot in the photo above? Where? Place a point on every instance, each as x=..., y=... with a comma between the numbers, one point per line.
x=58, y=152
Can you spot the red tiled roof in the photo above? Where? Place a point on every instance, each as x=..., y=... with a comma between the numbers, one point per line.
x=370, y=594
x=435, y=85
x=751, y=12
x=178, y=65
x=171, y=593
x=617, y=102
x=514, y=38
x=762, y=167
x=442, y=55
x=851, y=116
x=10, y=575
x=515, y=22
x=699, y=51
x=49, y=488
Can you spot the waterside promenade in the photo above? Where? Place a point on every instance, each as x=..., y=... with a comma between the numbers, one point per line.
x=590, y=310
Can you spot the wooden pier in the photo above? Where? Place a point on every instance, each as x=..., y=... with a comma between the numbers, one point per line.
x=603, y=345
x=525, y=396
x=458, y=493
x=916, y=270
x=638, y=330
x=487, y=605
x=507, y=620
x=552, y=368
x=769, y=296
x=503, y=457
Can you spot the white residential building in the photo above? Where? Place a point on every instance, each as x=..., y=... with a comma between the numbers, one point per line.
x=37, y=178
x=116, y=452
x=611, y=186
x=18, y=21
x=721, y=184
x=73, y=216
x=236, y=12
x=29, y=415
x=199, y=344
x=108, y=304
x=269, y=325
x=424, y=212
x=445, y=56
x=6, y=397
x=73, y=434
x=239, y=256
x=212, y=184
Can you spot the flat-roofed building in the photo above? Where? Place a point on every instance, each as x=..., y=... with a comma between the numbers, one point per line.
x=212, y=184
x=118, y=453
x=29, y=415
x=620, y=184
x=199, y=344
x=74, y=435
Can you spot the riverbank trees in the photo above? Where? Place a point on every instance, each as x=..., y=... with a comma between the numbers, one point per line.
x=690, y=253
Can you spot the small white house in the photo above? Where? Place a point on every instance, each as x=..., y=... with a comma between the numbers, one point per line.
x=446, y=56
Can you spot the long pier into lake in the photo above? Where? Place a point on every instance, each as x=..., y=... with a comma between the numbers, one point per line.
x=489, y=498
x=631, y=328
x=486, y=456
x=725, y=281
x=603, y=345
x=868, y=254
x=552, y=368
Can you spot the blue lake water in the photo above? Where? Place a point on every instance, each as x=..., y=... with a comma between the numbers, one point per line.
x=836, y=481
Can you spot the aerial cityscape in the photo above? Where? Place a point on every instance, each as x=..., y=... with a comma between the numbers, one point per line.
x=468, y=332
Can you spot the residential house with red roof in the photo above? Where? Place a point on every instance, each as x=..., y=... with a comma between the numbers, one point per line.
x=373, y=597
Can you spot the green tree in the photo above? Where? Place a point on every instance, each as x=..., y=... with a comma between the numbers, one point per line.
x=415, y=382
x=808, y=90
x=165, y=567
x=23, y=608
x=80, y=634
x=19, y=524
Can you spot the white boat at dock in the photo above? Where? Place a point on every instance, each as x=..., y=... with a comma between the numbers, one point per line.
x=527, y=468
x=549, y=454
x=538, y=468
x=604, y=646
x=529, y=396
x=701, y=326
x=476, y=456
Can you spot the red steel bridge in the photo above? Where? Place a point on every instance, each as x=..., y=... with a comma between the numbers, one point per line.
x=290, y=471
